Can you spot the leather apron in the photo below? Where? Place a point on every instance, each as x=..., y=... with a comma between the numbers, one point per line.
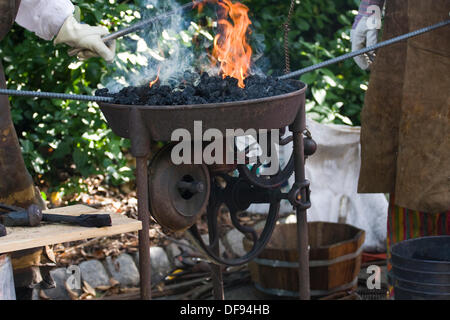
x=405, y=129
x=17, y=185
x=17, y=188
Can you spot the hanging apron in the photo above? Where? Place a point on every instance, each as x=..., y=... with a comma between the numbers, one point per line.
x=17, y=188
x=16, y=184
x=405, y=129
x=8, y=12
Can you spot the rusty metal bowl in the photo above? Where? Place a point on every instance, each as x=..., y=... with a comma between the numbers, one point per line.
x=160, y=121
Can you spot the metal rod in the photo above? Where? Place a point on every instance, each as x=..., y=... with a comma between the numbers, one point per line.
x=54, y=95
x=365, y=50
x=216, y=269
x=217, y=280
x=302, y=225
x=144, y=217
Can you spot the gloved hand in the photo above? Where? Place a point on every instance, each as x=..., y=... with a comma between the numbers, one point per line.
x=365, y=31
x=86, y=38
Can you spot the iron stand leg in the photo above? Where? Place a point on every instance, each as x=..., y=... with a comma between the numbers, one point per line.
x=217, y=279
x=140, y=149
x=302, y=225
x=144, y=217
x=216, y=274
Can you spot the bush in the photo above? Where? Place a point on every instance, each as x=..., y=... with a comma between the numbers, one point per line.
x=319, y=30
x=61, y=139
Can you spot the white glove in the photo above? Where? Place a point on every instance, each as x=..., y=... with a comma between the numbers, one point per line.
x=362, y=36
x=86, y=38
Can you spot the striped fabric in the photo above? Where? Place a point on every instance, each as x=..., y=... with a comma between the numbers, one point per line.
x=406, y=224
x=362, y=12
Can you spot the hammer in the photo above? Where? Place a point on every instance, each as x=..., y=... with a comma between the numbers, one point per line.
x=33, y=216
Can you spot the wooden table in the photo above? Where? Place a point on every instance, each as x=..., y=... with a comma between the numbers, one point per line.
x=20, y=238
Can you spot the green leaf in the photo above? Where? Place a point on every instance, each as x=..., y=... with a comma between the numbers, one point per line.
x=319, y=95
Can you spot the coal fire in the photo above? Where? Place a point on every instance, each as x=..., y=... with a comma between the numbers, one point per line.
x=231, y=56
x=206, y=89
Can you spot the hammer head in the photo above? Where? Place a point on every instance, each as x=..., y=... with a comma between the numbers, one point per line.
x=2, y=230
x=34, y=215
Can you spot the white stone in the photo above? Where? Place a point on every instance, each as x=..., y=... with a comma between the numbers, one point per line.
x=124, y=270
x=160, y=263
x=234, y=241
x=94, y=273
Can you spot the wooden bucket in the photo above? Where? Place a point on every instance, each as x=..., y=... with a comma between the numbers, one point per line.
x=334, y=257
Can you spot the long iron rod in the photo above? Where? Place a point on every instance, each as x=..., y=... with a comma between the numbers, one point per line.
x=54, y=95
x=365, y=50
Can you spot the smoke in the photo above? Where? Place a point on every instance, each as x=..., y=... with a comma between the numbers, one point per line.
x=162, y=46
x=174, y=45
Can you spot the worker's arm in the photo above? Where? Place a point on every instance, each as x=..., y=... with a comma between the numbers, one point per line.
x=365, y=29
x=53, y=19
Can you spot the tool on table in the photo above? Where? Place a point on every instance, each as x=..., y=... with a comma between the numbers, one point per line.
x=2, y=231
x=32, y=216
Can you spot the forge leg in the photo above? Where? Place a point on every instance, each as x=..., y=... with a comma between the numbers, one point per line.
x=140, y=149
x=217, y=279
x=302, y=226
x=143, y=216
x=216, y=274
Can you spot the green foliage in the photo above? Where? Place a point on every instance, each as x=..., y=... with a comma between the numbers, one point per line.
x=319, y=30
x=64, y=140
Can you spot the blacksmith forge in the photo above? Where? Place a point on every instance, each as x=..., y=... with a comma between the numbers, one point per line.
x=177, y=195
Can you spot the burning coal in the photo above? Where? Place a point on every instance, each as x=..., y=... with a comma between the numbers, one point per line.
x=209, y=89
x=232, y=79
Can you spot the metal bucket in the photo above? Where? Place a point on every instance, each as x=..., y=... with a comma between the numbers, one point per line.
x=421, y=269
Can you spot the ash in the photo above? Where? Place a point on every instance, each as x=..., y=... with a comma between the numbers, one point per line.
x=202, y=90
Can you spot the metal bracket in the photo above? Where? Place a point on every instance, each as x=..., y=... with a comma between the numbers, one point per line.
x=295, y=195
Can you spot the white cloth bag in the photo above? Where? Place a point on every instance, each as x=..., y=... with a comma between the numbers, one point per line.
x=333, y=172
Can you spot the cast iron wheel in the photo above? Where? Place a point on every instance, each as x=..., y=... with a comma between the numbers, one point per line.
x=178, y=194
x=237, y=195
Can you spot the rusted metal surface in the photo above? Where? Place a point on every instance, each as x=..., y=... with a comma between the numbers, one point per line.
x=238, y=195
x=160, y=121
x=178, y=194
x=144, y=217
x=297, y=128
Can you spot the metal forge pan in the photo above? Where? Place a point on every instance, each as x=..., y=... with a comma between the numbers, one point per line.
x=160, y=121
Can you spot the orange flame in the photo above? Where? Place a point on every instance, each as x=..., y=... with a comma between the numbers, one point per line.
x=157, y=78
x=230, y=45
